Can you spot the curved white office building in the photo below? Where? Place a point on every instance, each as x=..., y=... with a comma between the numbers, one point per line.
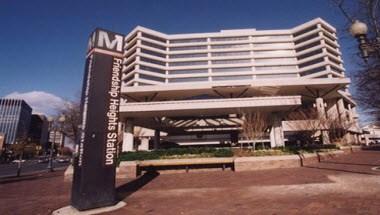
x=191, y=88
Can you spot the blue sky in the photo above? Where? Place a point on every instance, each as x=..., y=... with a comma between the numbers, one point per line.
x=43, y=42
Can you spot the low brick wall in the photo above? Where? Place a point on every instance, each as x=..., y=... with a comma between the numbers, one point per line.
x=129, y=169
x=266, y=162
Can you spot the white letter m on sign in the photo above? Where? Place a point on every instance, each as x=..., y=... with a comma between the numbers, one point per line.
x=104, y=41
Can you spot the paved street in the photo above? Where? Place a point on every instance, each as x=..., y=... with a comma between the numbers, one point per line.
x=344, y=185
x=28, y=167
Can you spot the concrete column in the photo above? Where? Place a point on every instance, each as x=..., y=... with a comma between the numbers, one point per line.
x=144, y=146
x=320, y=105
x=332, y=110
x=341, y=109
x=366, y=138
x=277, y=133
x=272, y=138
x=157, y=139
x=128, y=136
x=350, y=113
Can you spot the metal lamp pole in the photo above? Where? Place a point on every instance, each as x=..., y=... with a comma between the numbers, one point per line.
x=61, y=121
x=50, y=164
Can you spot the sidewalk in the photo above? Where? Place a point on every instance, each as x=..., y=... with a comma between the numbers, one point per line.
x=343, y=185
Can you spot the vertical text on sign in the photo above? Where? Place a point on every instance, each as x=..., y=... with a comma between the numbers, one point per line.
x=113, y=112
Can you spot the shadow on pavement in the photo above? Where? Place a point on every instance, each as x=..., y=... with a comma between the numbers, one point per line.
x=339, y=170
x=129, y=188
x=344, y=163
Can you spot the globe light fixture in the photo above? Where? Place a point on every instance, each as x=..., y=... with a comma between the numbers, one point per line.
x=367, y=47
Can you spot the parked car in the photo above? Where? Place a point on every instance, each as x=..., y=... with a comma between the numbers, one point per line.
x=43, y=160
x=63, y=160
x=18, y=161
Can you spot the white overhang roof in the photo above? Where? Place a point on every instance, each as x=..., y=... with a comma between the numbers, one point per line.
x=207, y=106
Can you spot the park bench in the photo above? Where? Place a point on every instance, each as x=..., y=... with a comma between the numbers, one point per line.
x=187, y=163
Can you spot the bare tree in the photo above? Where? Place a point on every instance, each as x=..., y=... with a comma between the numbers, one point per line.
x=306, y=124
x=254, y=126
x=309, y=126
x=367, y=77
x=71, y=111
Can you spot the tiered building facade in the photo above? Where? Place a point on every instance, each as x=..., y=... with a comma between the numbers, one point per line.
x=192, y=88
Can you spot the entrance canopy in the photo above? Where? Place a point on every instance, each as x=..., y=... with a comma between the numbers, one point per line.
x=208, y=107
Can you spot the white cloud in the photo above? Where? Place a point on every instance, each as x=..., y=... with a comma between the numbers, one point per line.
x=40, y=101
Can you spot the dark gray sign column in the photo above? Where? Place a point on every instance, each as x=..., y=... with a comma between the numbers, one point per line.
x=95, y=163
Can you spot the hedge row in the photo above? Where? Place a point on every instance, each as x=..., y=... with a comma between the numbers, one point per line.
x=199, y=152
x=167, y=153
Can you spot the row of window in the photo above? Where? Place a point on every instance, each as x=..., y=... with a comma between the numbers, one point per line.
x=215, y=70
x=237, y=61
x=235, y=38
x=222, y=46
x=217, y=78
x=222, y=39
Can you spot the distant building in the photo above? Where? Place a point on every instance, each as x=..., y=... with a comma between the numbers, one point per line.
x=15, y=116
x=371, y=134
x=39, y=129
x=56, y=137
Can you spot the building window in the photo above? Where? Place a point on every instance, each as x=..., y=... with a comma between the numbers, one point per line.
x=189, y=63
x=129, y=70
x=149, y=52
x=336, y=69
x=188, y=71
x=129, y=78
x=272, y=37
x=307, y=38
x=311, y=45
x=193, y=40
x=230, y=78
x=151, y=69
x=329, y=36
x=312, y=71
x=217, y=54
x=145, y=43
x=271, y=68
x=228, y=38
x=233, y=69
x=132, y=37
x=151, y=78
x=231, y=61
x=230, y=46
x=193, y=79
x=275, y=60
x=283, y=75
x=153, y=37
x=185, y=48
x=304, y=30
x=188, y=55
x=273, y=52
x=312, y=62
x=272, y=45
x=316, y=52
x=152, y=61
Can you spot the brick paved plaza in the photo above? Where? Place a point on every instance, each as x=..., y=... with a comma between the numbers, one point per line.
x=343, y=185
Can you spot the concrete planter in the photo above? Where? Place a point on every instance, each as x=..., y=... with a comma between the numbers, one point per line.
x=130, y=169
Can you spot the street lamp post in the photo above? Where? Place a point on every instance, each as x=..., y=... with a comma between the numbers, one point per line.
x=368, y=47
x=61, y=121
x=50, y=164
